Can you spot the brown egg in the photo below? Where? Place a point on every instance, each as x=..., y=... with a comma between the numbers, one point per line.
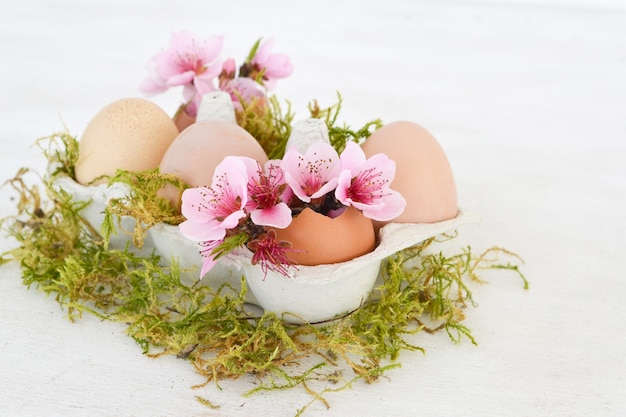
x=198, y=149
x=130, y=134
x=319, y=239
x=423, y=173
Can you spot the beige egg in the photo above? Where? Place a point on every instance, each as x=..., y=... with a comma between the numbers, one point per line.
x=130, y=134
x=423, y=173
x=199, y=148
x=318, y=239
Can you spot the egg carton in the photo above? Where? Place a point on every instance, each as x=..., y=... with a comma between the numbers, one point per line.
x=311, y=293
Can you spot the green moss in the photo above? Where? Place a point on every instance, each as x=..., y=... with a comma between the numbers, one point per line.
x=340, y=135
x=423, y=289
x=268, y=124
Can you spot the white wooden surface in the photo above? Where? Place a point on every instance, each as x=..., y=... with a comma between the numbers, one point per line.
x=528, y=98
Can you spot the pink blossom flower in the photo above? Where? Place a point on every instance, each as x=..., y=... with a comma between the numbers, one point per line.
x=266, y=189
x=210, y=212
x=271, y=254
x=313, y=174
x=229, y=68
x=364, y=184
x=208, y=258
x=272, y=66
x=244, y=89
x=187, y=61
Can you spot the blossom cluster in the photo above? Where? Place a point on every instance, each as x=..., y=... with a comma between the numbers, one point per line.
x=195, y=65
x=246, y=201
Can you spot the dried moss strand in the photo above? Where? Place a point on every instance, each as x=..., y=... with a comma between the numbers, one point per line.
x=340, y=135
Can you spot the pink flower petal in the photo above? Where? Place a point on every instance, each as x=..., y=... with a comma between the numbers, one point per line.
x=343, y=186
x=229, y=66
x=202, y=232
x=278, y=66
x=273, y=66
x=244, y=88
x=193, y=200
x=385, y=166
x=394, y=205
x=209, y=260
x=276, y=216
x=263, y=52
x=330, y=185
x=181, y=78
x=313, y=174
x=364, y=184
x=185, y=62
x=212, y=211
x=149, y=86
x=352, y=158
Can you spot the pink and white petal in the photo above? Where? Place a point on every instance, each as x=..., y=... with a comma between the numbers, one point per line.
x=352, y=158
x=231, y=167
x=278, y=66
x=364, y=207
x=278, y=216
x=202, y=232
x=232, y=220
x=209, y=260
x=150, y=86
x=288, y=193
x=194, y=203
x=296, y=187
x=213, y=48
x=291, y=161
x=291, y=165
x=252, y=167
x=382, y=164
x=202, y=86
x=312, y=174
x=272, y=164
x=183, y=40
x=322, y=151
x=167, y=64
x=325, y=159
x=181, y=78
x=232, y=174
x=210, y=71
x=326, y=188
x=263, y=52
x=394, y=205
x=229, y=66
x=343, y=185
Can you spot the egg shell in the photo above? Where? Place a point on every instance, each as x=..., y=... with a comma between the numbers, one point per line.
x=199, y=148
x=318, y=239
x=130, y=134
x=423, y=173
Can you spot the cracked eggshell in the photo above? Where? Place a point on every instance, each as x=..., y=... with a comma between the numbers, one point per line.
x=318, y=239
x=198, y=149
x=423, y=173
x=130, y=134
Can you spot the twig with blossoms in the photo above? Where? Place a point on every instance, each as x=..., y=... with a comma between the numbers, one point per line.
x=246, y=201
x=194, y=64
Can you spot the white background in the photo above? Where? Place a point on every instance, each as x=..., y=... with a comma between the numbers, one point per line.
x=528, y=98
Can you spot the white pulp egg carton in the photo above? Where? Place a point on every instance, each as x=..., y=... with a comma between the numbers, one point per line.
x=310, y=294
